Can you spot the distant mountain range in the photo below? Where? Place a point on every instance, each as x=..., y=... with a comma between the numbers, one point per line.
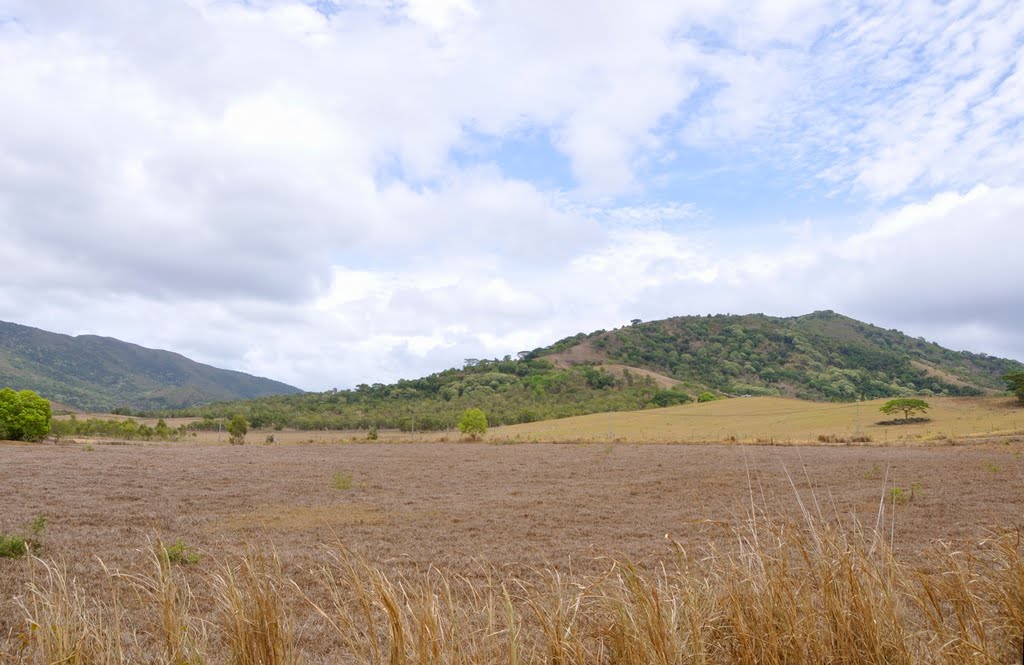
x=821, y=356
x=94, y=373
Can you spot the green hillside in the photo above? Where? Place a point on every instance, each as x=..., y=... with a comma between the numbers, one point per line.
x=100, y=374
x=822, y=356
x=819, y=356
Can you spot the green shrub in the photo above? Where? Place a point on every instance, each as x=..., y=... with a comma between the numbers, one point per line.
x=12, y=546
x=903, y=495
x=473, y=423
x=24, y=416
x=342, y=481
x=37, y=525
x=238, y=427
x=670, y=397
x=180, y=553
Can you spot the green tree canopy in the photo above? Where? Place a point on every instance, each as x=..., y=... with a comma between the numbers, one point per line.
x=670, y=397
x=906, y=405
x=473, y=423
x=24, y=415
x=238, y=427
x=1015, y=382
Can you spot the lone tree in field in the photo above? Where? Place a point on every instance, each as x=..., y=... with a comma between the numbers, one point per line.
x=238, y=428
x=24, y=416
x=906, y=405
x=473, y=423
x=1015, y=382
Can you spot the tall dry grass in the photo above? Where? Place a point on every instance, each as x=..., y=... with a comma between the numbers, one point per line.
x=771, y=594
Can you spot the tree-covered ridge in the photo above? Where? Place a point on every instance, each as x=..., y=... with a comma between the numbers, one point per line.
x=101, y=374
x=509, y=391
x=820, y=356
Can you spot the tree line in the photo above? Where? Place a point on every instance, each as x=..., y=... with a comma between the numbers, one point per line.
x=509, y=391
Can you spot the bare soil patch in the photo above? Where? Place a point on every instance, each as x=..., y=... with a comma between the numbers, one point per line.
x=586, y=353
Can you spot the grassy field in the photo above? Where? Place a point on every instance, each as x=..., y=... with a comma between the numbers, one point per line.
x=748, y=420
x=328, y=547
x=455, y=553
x=778, y=420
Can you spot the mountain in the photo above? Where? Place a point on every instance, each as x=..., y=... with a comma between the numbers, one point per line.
x=820, y=356
x=100, y=373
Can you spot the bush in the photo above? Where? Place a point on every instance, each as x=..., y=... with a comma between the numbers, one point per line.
x=238, y=428
x=12, y=547
x=670, y=397
x=24, y=416
x=707, y=396
x=473, y=423
x=180, y=553
x=1015, y=382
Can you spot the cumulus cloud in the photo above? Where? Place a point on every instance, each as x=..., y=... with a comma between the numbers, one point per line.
x=318, y=191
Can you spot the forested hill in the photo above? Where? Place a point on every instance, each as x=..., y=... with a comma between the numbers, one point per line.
x=100, y=373
x=821, y=356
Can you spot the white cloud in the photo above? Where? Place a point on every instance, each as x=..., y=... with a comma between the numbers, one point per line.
x=281, y=189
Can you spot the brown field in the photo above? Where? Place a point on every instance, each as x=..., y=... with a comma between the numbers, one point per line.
x=483, y=512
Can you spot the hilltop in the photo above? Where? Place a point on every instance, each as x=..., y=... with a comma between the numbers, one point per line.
x=819, y=356
x=822, y=356
x=101, y=373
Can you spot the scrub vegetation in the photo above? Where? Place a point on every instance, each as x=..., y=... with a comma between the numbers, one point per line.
x=818, y=357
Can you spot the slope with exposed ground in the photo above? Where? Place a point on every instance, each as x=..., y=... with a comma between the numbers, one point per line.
x=819, y=356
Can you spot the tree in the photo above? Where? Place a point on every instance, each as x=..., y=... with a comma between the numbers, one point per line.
x=670, y=397
x=1015, y=382
x=24, y=415
x=707, y=396
x=162, y=431
x=907, y=406
x=598, y=378
x=238, y=428
x=473, y=423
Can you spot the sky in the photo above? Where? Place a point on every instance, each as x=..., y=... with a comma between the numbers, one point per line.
x=330, y=193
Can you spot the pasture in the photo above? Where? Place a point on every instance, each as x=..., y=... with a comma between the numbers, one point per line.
x=755, y=420
x=539, y=553
x=780, y=421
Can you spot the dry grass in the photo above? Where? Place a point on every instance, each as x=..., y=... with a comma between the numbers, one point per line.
x=777, y=421
x=286, y=519
x=764, y=420
x=455, y=553
x=782, y=594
